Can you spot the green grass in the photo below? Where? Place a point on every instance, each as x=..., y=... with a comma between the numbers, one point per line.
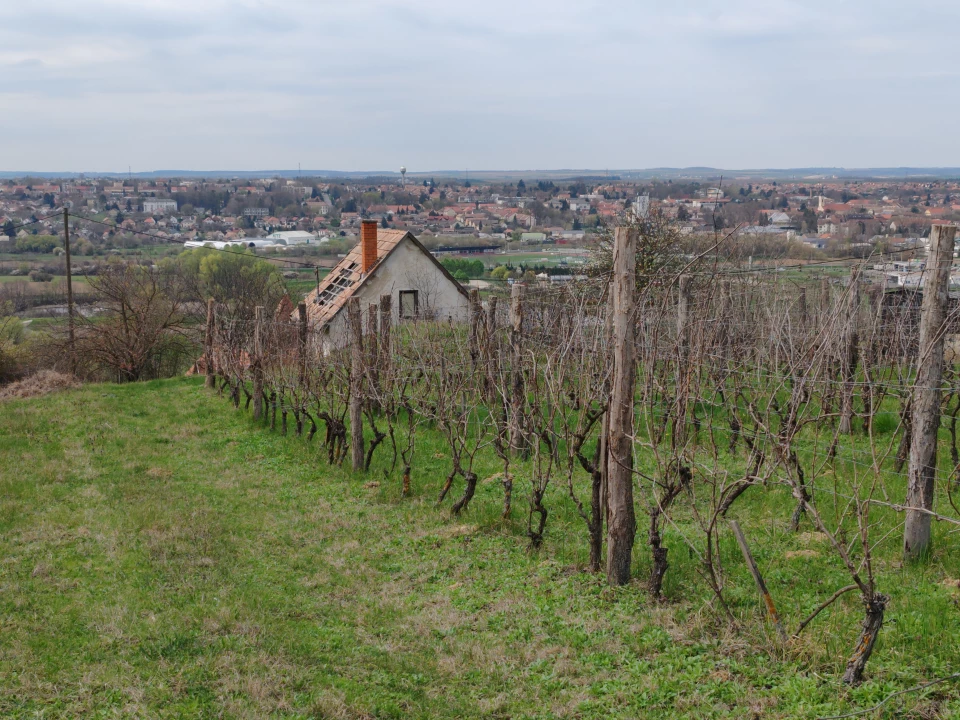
x=165, y=557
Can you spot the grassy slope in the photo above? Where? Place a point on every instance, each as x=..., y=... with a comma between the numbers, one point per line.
x=164, y=557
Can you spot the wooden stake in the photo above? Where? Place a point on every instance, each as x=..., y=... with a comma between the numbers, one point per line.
x=848, y=360
x=683, y=345
x=518, y=394
x=926, y=395
x=258, y=364
x=208, y=345
x=71, y=323
x=476, y=313
x=621, y=527
x=373, y=351
x=355, y=325
x=302, y=341
x=758, y=578
x=802, y=307
x=490, y=356
x=386, y=325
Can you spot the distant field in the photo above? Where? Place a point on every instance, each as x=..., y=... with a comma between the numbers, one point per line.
x=529, y=258
x=58, y=284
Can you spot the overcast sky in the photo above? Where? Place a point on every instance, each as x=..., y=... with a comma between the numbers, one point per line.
x=492, y=84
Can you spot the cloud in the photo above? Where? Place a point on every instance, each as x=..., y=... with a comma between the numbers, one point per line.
x=370, y=84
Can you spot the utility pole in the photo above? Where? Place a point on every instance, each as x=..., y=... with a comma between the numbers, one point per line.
x=70, y=319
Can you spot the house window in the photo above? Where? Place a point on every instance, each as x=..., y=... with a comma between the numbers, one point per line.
x=409, y=304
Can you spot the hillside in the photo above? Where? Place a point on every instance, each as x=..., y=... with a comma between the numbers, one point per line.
x=163, y=556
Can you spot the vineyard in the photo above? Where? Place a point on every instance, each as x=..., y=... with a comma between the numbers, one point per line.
x=684, y=419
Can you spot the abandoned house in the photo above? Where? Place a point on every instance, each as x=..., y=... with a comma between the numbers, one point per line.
x=385, y=262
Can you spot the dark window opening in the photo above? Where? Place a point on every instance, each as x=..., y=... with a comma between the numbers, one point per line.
x=409, y=304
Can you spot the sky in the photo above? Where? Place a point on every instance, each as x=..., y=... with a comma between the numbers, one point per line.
x=366, y=85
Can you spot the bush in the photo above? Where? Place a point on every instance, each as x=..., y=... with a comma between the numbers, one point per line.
x=469, y=268
x=40, y=276
x=37, y=243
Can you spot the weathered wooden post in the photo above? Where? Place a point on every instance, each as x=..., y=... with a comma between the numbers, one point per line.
x=373, y=353
x=518, y=386
x=476, y=313
x=302, y=341
x=490, y=355
x=355, y=325
x=726, y=305
x=802, y=308
x=848, y=360
x=926, y=394
x=208, y=345
x=622, y=524
x=71, y=317
x=386, y=340
x=683, y=353
x=258, y=363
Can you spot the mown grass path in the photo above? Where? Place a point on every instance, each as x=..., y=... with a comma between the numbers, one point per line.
x=162, y=557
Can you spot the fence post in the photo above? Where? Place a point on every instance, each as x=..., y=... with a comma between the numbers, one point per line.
x=926, y=395
x=208, y=345
x=355, y=325
x=621, y=527
x=518, y=390
x=258, y=363
x=848, y=360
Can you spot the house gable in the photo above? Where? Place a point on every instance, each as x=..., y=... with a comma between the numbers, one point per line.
x=402, y=264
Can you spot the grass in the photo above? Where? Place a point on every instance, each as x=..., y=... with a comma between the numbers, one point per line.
x=165, y=557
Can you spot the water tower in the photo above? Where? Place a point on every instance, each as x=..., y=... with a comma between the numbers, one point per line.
x=403, y=176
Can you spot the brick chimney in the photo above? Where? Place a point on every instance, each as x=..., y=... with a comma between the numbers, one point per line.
x=368, y=245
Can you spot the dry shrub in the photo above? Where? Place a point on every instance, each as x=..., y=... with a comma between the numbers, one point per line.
x=42, y=383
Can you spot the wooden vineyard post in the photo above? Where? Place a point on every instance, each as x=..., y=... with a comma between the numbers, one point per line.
x=758, y=579
x=518, y=389
x=355, y=325
x=621, y=527
x=683, y=347
x=373, y=351
x=802, y=308
x=386, y=348
x=726, y=305
x=926, y=395
x=848, y=359
x=71, y=319
x=208, y=345
x=258, y=364
x=302, y=342
x=490, y=354
x=476, y=320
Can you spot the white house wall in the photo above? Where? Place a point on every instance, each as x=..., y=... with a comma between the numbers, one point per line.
x=406, y=268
